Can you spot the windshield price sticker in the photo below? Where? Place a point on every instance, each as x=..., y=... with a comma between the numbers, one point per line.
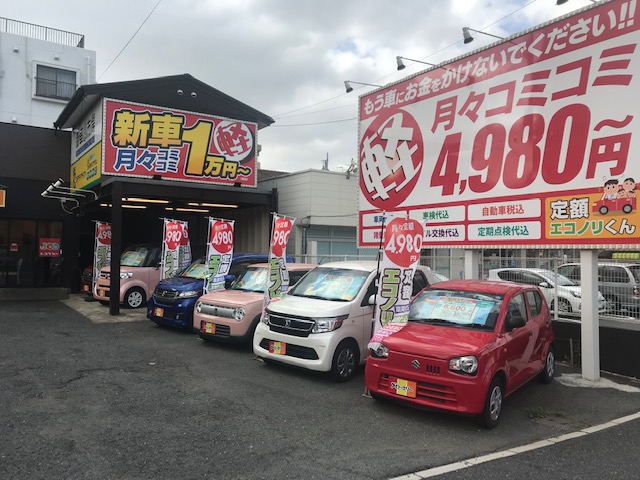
x=459, y=310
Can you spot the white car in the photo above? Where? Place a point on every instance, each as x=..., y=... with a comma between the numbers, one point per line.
x=569, y=293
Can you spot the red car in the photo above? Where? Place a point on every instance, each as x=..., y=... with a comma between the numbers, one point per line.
x=604, y=206
x=468, y=345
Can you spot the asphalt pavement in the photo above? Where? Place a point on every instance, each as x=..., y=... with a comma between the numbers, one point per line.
x=91, y=396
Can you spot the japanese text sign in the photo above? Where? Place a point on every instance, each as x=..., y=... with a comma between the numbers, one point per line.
x=219, y=253
x=147, y=141
x=102, y=249
x=278, y=280
x=176, y=249
x=49, y=247
x=402, y=242
x=525, y=142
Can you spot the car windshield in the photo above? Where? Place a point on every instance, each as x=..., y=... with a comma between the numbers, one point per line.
x=325, y=283
x=197, y=270
x=635, y=270
x=134, y=257
x=254, y=279
x=458, y=308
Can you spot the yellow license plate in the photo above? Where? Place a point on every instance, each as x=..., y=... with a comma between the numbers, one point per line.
x=208, y=327
x=279, y=348
x=101, y=293
x=159, y=312
x=85, y=288
x=405, y=388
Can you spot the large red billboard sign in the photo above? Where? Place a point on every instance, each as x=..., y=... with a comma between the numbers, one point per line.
x=525, y=142
x=150, y=141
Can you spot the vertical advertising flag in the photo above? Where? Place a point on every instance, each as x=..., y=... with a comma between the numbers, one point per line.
x=219, y=253
x=402, y=242
x=278, y=280
x=101, y=250
x=176, y=249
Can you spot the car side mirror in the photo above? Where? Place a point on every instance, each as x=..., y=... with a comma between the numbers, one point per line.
x=228, y=280
x=515, y=321
x=544, y=285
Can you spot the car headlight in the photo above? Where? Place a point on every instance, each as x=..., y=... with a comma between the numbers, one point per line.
x=265, y=318
x=124, y=275
x=382, y=351
x=189, y=294
x=577, y=294
x=467, y=364
x=328, y=324
x=199, y=307
x=239, y=313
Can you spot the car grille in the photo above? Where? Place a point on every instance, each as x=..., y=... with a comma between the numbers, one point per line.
x=217, y=310
x=294, y=350
x=106, y=276
x=87, y=276
x=289, y=325
x=428, y=392
x=165, y=296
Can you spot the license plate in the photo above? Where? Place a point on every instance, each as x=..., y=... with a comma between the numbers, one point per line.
x=85, y=288
x=208, y=327
x=279, y=348
x=405, y=388
x=101, y=293
x=159, y=312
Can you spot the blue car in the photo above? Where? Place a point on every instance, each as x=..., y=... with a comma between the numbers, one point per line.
x=174, y=298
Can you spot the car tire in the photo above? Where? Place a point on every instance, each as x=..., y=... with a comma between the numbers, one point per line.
x=346, y=360
x=563, y=306
x=490, y=415
x=134, y=298
x=549, y=370
x=603, y=210
x=103, y=302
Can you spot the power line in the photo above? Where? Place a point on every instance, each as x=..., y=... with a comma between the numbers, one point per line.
x=132, y=37
x=317, y=123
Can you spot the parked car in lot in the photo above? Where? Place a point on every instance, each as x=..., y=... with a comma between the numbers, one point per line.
x=86, y=280
x=569, y=293
x=139, y=273
x=468, y=345
x=233, y=314
x=324, y=323
x=174, y=299
x=619, y=283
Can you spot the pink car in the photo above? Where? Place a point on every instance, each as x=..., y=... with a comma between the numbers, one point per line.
x=139, y=274
x=232, y=315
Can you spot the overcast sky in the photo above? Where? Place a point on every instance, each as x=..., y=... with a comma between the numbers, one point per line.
x=286, y=58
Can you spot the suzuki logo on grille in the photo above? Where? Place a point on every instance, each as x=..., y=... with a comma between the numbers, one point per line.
x=415, y=364
x=287, y=323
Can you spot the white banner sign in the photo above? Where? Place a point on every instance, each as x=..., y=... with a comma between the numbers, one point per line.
x=219, y=253
x=101, y=250
x=278, y=280
x=176, y=250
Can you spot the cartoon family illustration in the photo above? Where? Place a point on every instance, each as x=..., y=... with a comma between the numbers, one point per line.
x=617, y=197
x=613, y=190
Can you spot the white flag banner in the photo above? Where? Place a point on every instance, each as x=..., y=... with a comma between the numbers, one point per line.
x=176, y=249
x=402, y=240
x=101, y=249
x=219, y=253
x=278, y=279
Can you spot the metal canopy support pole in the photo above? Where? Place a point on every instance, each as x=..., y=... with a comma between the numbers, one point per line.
x=590, y=332
x=471, y=264
x=116, y=248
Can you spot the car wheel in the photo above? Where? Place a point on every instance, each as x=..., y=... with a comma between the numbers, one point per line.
x=603, y=210
x=549, y=370
x=490, y=416
x=134, y=298
x=563, y=306
x=627, y=208
x=346, y=359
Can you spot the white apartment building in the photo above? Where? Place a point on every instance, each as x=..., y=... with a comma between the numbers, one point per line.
x=40, y=69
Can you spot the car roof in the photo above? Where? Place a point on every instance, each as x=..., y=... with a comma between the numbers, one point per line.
x=364, y=265
x=484, y=286
x=522, y=269
x=607, y=263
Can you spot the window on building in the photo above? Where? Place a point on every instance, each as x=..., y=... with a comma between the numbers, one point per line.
x=55, y=82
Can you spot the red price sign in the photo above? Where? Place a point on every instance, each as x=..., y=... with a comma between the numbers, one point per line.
x=222, y=236
x=174, y=233
x=280, y=236
x=403, y=241
x=104, y=234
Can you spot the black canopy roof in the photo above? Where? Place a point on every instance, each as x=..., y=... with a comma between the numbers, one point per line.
x=196, y=96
